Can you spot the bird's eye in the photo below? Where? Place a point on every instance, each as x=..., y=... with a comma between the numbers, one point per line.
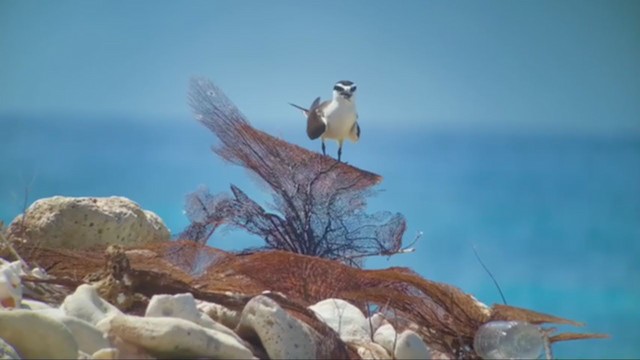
x=338, y=88
x=353, y=88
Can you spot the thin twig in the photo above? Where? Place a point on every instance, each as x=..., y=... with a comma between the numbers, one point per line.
x=490, y=274
x=56, y=281
x=405, y=250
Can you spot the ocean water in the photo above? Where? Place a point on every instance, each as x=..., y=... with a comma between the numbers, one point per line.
x=555, y=217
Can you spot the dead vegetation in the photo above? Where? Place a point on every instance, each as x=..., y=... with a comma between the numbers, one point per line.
x=443, y=315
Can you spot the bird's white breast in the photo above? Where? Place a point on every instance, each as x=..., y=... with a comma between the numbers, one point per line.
x=340, y=117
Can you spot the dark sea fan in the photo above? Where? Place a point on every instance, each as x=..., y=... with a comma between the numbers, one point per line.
x=319, y=203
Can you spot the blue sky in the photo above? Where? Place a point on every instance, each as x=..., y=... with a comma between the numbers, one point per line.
x=569, y=66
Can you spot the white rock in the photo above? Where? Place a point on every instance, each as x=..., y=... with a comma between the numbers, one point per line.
x=106, y=354
x=86, y=304
x=39, y=273
x=126, y=350
x=219, y=313
x=10, y=284
x=344, y=318
x=411, y=346
x=371, y=350
x=7, y=351
x=36, y=336
x=76, y=223
x=281, y=335
x=88, y=337
x=183, y=306
x=174, y=337
x=385, y=335
x=29, y=304
x=375, y=321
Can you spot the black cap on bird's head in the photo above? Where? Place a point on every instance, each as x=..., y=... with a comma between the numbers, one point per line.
x=344, y=88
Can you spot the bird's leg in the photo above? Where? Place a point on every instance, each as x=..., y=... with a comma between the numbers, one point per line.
x=324, y=152
x=339, y=150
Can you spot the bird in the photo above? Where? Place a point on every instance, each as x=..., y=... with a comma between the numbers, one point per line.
x=335, y=119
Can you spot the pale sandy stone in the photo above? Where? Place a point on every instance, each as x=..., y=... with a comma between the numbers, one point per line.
x=174, y=337
x=37, y=336
x=282, y=336
x=344, y=318
x=75, y=223
x=86, y=304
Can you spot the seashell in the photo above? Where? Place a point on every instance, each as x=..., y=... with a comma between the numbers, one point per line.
x=508, y=340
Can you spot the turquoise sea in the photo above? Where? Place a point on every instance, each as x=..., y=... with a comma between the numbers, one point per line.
x=555, y=217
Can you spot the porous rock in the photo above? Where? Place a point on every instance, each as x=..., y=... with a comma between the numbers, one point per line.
x=406, y=345
x=85, y=304
x=121, y=349
x=370, y=350
x=223, y=315
x=88, y=337
x=174, y=337
x=385, y=335
x=344, y=318
x=37, y=336
x=29, y=304
x=375, y=321
x=7, y=351
x=411, y=346
x=281, y=335
x=106, y=354
x=183, y=306
x=82, y=222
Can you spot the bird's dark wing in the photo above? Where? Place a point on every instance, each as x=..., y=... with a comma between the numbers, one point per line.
x=316, y=124
x=315, y=103
x=354, y=134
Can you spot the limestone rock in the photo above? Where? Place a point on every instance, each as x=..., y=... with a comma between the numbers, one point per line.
x=371, y=350
x=123, y=350
x=385, y=335
x=7, y=351
x=37, y=336
x=411, y=346
x=10, y=284
x=88, y=337
x=106, y=354
x=173, y=337
x=344, y=318
x=85, y=304
x=82, y=222
x=375, y=321
x=29, y=304
x=181, y=306
x=219, y=313
x=281, y=335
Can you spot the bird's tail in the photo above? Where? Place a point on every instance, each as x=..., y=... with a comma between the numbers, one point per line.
x=304, y=111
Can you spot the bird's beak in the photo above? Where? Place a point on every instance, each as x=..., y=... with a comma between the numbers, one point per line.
x=346, y=95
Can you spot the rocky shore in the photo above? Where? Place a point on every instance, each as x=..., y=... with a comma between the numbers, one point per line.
x=99, y=278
